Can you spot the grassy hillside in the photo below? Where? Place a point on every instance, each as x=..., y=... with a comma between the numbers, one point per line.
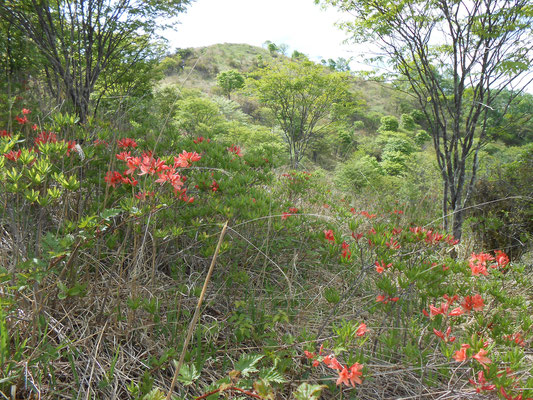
x=198, y=68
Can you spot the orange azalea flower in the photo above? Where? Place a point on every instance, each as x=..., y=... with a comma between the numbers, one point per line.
x=501, y=258
x=22, y=120
x=357, y=236
x=481, y=383
x=477, y=302
x=478, y=263
x=356, y=373
x=346, y=253
x=446, y=337
x=13, y=155
x=361, y=330
x=45, y=137
x=478, y=269
x=124, y=156
x=329, y=235
x=235, y=150
x=380, y=267
x=113, y=178
x=126, y=142
x=332, y=362
x=456, y=311
x=309, y=354
x=480, y=357
x=185, y=159
x=344, y=377
x=439, y=334
x=435, y=311
x=460, y=355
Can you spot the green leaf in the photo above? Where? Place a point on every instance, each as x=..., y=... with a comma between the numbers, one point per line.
x=155, y=394
x=271, y=375
x=110, y=213
x=246, y=364
x=188, y=374
x=308, y=392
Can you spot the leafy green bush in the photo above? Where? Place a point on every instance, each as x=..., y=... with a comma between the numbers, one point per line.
x=389, y=123
x=422, y=137
x=407, y=122
x=359, y=171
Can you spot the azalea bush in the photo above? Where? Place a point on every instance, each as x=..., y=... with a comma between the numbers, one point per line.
x=426, y=299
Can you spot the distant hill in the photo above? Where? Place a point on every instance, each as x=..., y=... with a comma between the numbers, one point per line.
x=198, y=68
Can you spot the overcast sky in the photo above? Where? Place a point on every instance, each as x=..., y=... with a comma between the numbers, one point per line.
x=300, y=24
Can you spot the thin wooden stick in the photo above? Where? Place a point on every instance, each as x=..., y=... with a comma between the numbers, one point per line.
x=196, y=313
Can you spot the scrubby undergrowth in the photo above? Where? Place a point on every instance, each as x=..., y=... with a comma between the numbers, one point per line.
x=106, y=245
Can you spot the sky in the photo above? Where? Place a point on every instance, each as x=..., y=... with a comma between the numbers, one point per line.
x=300, y=24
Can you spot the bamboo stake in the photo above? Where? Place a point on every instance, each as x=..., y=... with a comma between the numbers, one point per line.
x=196, y=313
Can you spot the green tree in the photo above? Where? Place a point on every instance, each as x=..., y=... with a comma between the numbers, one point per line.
x=229, y=81
x=301, y=96
x=80, y=39
x=458, y=57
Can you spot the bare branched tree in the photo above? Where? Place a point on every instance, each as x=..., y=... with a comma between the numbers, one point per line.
x=458, y=57
x=81, y=38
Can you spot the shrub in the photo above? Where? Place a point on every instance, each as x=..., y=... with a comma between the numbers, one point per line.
x=407, y=122
x=358, y=172
x=389, y=123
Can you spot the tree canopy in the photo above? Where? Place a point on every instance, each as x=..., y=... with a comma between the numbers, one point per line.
x=229, y=81
x=301, y=95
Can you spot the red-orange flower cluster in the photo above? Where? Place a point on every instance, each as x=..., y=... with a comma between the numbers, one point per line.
x=292, y=210
x=235, y=150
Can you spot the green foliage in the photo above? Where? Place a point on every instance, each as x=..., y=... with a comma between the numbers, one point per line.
x=510, y=119
x=188, y=374
x=397, y=147
x=407, y=122
x=422, y=137
x=358, y=125
x=300, y=96
x=307, y=391
x=230, y=109
x=91, y=259
x=389, y=123
x=230, y=81
x=419, y=41
x=246, y=364
x=504, y=215
x=358, y=172
x=197, y=115
x=105, y=46
x=258, y=141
